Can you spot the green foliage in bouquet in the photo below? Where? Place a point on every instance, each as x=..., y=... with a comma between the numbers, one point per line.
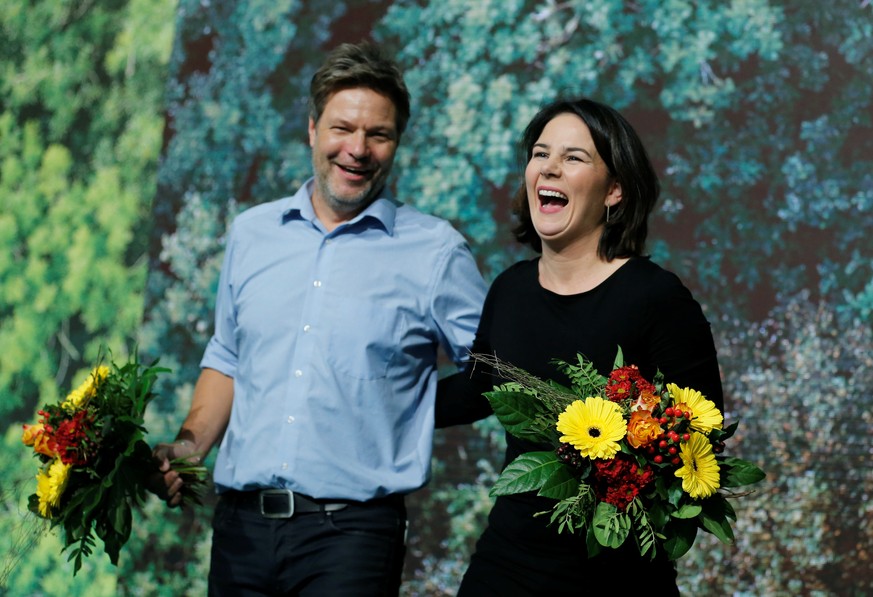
x=629, y=458
x=94, y=461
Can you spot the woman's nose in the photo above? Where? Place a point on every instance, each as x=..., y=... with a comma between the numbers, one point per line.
x=550, y=168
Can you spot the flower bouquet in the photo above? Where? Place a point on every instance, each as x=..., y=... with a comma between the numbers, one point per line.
x=94, y=461
x=630, y=458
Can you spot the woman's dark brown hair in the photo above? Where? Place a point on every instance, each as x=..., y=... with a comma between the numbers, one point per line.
x=621, y=149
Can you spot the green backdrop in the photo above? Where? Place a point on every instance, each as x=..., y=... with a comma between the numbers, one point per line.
x=131, y=132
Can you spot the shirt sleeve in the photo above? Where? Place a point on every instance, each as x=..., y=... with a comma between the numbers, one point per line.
x=221, y=350
x=456, y=303
x=460, y=397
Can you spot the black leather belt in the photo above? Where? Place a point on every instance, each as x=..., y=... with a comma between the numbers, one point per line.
x=284, y=503
x=280, y=503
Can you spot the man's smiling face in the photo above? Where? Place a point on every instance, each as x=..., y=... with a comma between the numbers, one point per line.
x=353, y=146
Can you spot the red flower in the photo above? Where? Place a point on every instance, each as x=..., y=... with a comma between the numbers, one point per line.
x=71, y=438
x=627, y=383
x=620, y=480
x=620, y=390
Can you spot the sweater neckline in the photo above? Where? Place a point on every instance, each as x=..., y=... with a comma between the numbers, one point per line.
x=606, y=283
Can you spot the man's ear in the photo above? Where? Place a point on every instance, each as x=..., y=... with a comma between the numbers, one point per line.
x=311, y=132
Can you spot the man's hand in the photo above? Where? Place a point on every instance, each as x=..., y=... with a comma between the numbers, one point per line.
x=167, y=483
x=202, y=428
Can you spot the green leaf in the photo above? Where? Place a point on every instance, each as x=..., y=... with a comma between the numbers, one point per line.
x=644, y=531
x=121, y=527
x=516, y=411
x=736, y=472
x=688, y=511
x=675, y=494
x=528, y=472
x=611, y=527
x=723, y=434
x=719, y=528
x=560, y=485
x=584, y=378
x=619, y=359
x=659, y=514
x=680, y=537
x=592, y=545
x=714, y=518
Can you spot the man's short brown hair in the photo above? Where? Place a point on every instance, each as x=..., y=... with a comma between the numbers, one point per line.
x=359, y=65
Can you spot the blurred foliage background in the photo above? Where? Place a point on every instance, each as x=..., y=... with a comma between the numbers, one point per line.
x=132, y=131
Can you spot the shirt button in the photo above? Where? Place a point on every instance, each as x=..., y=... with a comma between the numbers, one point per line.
x=298, y=373
x=317, y=283
x=284, y=466
x=290, y=419
x=306, y=327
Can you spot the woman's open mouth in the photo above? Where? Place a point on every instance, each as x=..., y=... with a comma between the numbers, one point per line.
x=551, y=201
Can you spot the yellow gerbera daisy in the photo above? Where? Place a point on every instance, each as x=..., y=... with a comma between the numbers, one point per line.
x=74, y=400
x=593, y=427
x=50, y=486
x=79, y=397
x=699, y=472
x=705, y=416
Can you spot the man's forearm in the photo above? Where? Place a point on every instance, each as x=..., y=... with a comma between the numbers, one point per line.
x=210, y=411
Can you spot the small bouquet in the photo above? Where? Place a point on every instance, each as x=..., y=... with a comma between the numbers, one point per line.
x=94, y=461
x=631, y=458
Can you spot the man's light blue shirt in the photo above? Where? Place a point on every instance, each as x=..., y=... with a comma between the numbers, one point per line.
x=331, y=339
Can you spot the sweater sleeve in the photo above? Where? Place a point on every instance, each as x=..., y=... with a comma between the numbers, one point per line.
x=682, y=345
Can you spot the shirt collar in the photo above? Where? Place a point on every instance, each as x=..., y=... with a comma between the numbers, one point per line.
x=382, y=212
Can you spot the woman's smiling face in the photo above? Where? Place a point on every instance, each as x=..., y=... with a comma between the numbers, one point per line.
x=568, y=184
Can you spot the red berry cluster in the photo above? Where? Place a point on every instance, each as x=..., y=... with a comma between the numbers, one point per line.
x=665, y=449
x=570, y=455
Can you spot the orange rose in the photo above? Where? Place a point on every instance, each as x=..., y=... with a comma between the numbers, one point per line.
x=642, y=429
x=36, y=436
x=30, y=433
x=646, y=401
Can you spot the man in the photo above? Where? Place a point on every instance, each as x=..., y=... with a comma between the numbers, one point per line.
x=319, y=380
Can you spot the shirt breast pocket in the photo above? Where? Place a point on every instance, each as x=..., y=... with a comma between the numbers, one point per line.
x=364, y=338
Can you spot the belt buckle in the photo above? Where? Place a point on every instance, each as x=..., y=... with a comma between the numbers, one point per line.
x=276, y=503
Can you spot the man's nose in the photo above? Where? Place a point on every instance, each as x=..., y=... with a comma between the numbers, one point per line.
x=357, y=146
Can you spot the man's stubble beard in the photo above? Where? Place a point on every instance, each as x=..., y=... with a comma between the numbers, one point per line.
x=345, y=205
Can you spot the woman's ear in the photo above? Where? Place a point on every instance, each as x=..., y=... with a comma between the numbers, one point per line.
x=613, y=197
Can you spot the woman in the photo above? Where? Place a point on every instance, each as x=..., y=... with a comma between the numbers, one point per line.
x=589, y=189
